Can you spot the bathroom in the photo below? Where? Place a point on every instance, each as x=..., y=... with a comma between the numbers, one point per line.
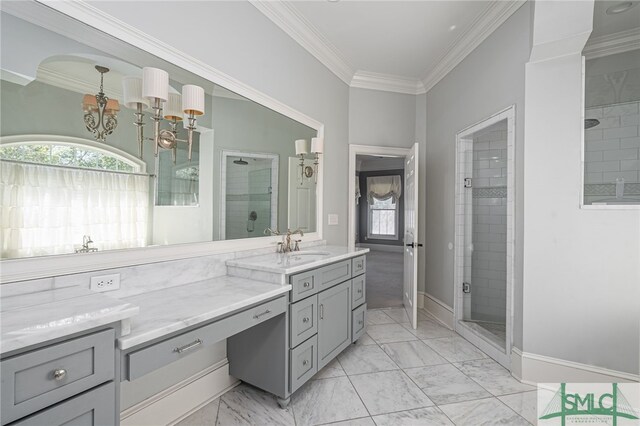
x=494, y=92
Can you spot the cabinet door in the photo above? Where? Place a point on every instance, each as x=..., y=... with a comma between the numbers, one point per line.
x=334, y=322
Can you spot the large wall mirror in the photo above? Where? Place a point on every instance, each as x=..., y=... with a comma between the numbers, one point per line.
x=66, y=189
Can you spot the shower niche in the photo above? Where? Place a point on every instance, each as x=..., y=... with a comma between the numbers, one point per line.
x=484, y=234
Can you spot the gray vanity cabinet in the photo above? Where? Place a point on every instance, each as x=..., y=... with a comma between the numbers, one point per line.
x=334, y=322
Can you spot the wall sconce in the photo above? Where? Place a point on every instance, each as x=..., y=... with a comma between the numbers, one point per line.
x=104, y=108
x=153, y=90
x=303, y=149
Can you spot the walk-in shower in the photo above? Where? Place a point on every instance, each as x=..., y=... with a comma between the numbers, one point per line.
x=484, y=234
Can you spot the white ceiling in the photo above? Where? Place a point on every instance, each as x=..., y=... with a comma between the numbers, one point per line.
x=604, y=24
x=402, y=38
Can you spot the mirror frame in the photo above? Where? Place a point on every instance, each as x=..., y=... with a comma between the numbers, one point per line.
x=51, y=16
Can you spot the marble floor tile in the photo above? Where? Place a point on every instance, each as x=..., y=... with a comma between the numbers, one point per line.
x=428, y=329
x=326, y=401
x=455, y=349
x=412, y=354
x=389, y=391
x=431, y=416
x=333, y=369
x=365, y=359
x=389, y=333
x=206, y=416
x=378, y=317
x=480, y=412
x=246, y=405
x=364, y=340
x=399, y=315
x=525, y=404
x=492, y=376
x=445, y=384
x=364, y=421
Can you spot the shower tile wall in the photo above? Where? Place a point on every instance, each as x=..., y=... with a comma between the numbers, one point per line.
x=489, y=260
x=612, y=148
x=248, y=189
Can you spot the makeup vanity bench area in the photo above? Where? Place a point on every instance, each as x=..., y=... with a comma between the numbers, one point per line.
x=285, y=316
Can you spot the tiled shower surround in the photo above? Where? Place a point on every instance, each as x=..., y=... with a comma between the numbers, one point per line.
x=612, y=150
x=489, y=216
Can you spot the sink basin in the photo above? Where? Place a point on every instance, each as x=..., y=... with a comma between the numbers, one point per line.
x=309, y=253
x=301, y=257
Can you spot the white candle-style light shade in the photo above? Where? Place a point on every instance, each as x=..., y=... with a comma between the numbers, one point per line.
x=155, y=84
x=302, y=147
x=173, y=107
x=317, y=145
x=192, y=99
x=132, y=92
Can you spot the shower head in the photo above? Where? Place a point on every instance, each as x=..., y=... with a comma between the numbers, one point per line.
x=240, y=162
x=591, y=122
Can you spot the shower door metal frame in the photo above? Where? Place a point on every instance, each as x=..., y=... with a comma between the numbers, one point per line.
x=463, y=170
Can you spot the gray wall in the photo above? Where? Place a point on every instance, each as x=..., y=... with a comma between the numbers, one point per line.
x=490, y=79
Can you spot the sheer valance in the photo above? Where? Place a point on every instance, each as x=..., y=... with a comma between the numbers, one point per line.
x=383, y=188
x=358, y=193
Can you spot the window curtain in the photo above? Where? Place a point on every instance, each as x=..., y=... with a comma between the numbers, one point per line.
x=358, y=193
x=47, y=210
x=383, y=188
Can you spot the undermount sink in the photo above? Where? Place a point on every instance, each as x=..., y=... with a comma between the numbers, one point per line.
x=300, y=257
x=309, y=253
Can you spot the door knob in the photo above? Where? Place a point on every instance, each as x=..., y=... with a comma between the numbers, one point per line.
x=414, y=245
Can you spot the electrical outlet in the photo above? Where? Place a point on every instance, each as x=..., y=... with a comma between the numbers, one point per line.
x=105, y=282
x=332, y=219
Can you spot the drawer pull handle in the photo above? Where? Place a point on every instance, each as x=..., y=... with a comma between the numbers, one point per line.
x=191, y=345
x=256, y=316
x=359, y=265
x=360, y=322
x=305, y=362
x=359, y=291
x=305, y=320
x=306, y=284
x=321, y=311
x=59, y=374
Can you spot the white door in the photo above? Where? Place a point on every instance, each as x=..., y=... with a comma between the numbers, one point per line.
x=410, y=288
x=302, y=197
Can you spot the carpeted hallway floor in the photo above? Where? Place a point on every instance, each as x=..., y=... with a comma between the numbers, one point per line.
x=384, y=279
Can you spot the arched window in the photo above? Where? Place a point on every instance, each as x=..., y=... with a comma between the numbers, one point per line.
x=58, y=193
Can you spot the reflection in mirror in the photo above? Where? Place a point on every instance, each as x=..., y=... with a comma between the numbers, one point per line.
x=249, y=194
x=66, y=188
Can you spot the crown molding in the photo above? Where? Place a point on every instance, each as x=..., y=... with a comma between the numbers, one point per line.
x=610, y=44
x=484, y=25
x=74, y=83
x=387, y=83
x=292, y=22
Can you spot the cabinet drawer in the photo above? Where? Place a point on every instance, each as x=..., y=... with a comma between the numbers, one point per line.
x=304, y=285
x=41, y=378
x=167, y=351
x=336, y=273
x=304, y=362
x=304, y=320
x=358, y=265
x=358, y=323
x=94, y=408
x=358, y=291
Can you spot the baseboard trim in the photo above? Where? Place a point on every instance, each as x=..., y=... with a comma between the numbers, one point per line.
x=536, y=368
x=182, y=399
x=382, y=247
x=440, y=310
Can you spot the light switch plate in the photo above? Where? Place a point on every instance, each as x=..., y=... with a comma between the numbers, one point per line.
x=333, y=219
x=105, y=282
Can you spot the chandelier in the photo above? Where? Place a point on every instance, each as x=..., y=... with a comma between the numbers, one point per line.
x=152, y=90
x=100, y=112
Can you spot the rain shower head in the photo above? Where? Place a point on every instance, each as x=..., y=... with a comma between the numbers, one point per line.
x=591, y=122
x=240, y=162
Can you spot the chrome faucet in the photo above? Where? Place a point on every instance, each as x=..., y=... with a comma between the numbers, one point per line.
x=86, y=240
x=285, y=245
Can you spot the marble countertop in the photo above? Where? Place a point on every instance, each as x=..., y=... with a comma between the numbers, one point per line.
x=33, y=318
x=175, y=308
x=297, y=261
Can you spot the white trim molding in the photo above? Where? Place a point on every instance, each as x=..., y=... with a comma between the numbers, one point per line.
x=536, y=368
x=387, y=83
x=489, y=21
x=611, y=44
x=292, y=22
x=440, y=310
